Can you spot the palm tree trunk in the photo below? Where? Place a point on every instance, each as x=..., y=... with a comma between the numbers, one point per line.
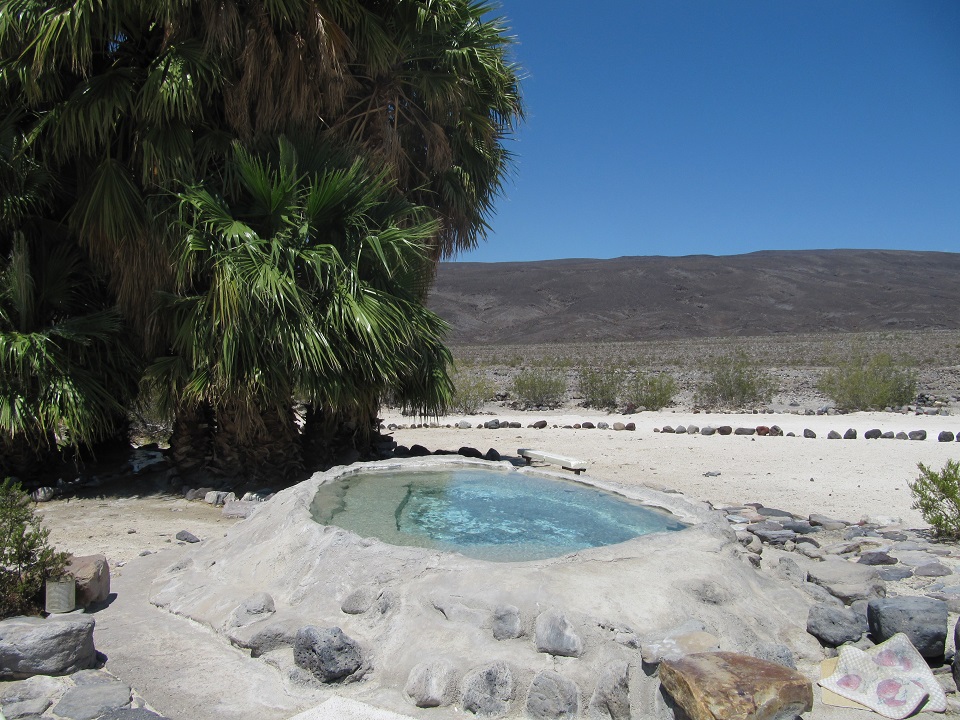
x=269, y=447
x=333, y=437
x=190, y=441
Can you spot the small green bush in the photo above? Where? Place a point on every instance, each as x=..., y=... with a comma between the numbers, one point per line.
x=937, y=496
x=26, y=561
x=470, y=393
x=734, y=381
x=539, y=388
x=869, y=383
x=600, y=388
x=648, y=391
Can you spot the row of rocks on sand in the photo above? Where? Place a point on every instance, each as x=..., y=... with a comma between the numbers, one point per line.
x=497, y=424
x=777, y=431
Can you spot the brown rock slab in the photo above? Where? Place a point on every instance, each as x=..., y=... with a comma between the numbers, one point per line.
x=92, y=574
x=728, y=686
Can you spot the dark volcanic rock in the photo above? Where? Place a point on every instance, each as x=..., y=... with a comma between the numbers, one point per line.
x=327, y=652
x=922, y=619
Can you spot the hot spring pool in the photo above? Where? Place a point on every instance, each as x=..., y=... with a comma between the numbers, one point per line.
x=495, y=515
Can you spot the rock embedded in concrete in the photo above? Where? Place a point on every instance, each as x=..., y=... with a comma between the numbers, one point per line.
x=688, y=638
x=89, y=702
x=808, y=433
x=251, y=609
x=57, y=645
x=724, y=686
x=945, y=436
x=487, y=690
x=507, y=623
x=611, y=696
x=922, y=619
x=833, y=626
x=552, y=697
x=360, y=600
x=745, y=431
x=847, y=581
x=92, y=574
x=554, y=634
x=432, y=684
x=272, y=637
x=872, y=434
x=724, y=430
x=327, y=652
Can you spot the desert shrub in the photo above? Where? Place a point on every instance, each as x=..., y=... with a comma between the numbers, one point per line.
x=470, y=393
x=600, y=387
x=734, y=381
x=26, y=560
x=645, y=390
x=937, y=496
x=539, y=388
x=863, y=383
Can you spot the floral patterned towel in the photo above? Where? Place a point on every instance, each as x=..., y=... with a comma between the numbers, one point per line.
x=891, y=679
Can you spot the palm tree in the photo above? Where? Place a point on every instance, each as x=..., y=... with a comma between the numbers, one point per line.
x=127, y=102
x=67, y=370
x=302, y=286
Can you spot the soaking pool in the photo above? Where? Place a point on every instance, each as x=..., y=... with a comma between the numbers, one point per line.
x=487, y=514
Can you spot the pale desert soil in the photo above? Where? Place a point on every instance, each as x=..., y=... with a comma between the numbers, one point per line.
x=846, y=479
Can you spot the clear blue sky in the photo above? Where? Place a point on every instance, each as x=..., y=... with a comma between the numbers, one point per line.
x=678, y=127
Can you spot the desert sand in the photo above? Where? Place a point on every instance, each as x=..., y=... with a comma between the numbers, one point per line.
x=845, y=479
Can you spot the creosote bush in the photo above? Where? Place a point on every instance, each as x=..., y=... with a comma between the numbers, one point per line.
x=734, y=381
x=539, y=388
x=937, y=496
x=648, y=391
x=863, y=383
x=26, y=560
x=470, y=393
x=600, y=387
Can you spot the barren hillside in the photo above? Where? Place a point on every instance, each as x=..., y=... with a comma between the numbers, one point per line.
x=643, y=298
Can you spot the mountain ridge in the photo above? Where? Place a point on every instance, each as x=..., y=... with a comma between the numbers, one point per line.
x=649, y=297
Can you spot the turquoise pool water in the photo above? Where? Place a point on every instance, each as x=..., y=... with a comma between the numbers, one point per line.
x=487, y=514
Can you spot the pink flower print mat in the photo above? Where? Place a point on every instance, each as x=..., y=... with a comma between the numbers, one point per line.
x=891, y=679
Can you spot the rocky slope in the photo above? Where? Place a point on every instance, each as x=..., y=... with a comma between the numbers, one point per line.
x=643, y=298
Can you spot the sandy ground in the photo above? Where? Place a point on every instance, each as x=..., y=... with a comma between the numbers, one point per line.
x=840, y=478
x=846, y=479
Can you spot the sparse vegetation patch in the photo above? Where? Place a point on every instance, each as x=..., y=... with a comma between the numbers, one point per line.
x=734, y=381
x=937, y=496
x=471, y=391
x=650, y=391
x=539, y=387
x=600, y=387
x=873, y=383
